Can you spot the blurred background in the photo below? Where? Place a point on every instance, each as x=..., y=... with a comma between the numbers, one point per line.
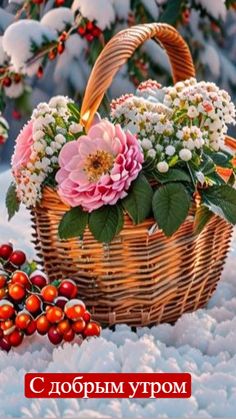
x=48, y=47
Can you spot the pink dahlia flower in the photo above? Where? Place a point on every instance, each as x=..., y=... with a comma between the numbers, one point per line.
x=99, y=167
x=22, y=150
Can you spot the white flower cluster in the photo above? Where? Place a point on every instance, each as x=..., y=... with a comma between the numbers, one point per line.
x=51, y=129
x=207, y=107
x=149, y=120
x=4, y=128
x=174, y=123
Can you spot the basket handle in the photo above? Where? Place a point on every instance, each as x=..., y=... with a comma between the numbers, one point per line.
x=120, y=48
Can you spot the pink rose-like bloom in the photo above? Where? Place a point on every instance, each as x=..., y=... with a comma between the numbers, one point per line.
x=22, y=150
x=99, y=167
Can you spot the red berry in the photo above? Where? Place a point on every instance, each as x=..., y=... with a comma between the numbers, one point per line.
x=37, y=1
x=63, y=36
x=63, y=326
x=18, y=258
x=89, y=37
x=23, y=320
x=49, y=293
x=92, y=329
x=59, y=2
x=61, y=302
x=15, y=338
x=17, y=78
x=87, y=316
x=60, y=47
x=6, y=310
x=68, y=289
x=7, y=326
x=16, y=114
x=54, y=335
x=33, y=303
x=20, y=277
x=96, y=32
x=7, y=82
x=90, y=26
x=6, y=251
x=54, y=314
x=79, y=326
x=3, y=280
x=69, y=336
x=31, y=328
x=39, y=279
x=5, y=344
x=40, y=72
x=74, y=309
x=52, y=54
x=3, y=293
x=81, y=30
x=17, y=292
x=43, y=325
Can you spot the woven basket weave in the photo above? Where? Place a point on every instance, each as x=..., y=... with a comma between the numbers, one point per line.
x=142, y=277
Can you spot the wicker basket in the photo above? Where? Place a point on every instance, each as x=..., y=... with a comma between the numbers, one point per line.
x=142, y=277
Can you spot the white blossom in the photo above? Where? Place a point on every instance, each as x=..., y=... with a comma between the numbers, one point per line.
x=185, y=154
x=162, y=167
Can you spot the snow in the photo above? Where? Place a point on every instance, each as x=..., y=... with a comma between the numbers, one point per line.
x=102, y=11
x=58, y=19
x=25, y=32
x=215, y=8
x=72, y=65
x=122, y=8
x=210, y=57
x=152, y=8
x=3, y=56
x=6, y=19
x=202, y=343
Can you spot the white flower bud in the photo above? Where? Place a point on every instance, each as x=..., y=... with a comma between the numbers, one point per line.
x=49, y=151
x=151, y=153
x=60, y=139
x=170, y=150
x=162, y=167
x=146, y=144
x=185, y=154
x=75, y=128
x=192, y=112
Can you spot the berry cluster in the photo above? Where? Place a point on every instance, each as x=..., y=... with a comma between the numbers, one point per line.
x=89, y=31
x=28, y=303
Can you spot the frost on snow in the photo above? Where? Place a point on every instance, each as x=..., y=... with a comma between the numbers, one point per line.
x=58, y=19
x=25, y=33
x=202, y=343
x=102, y=11
x=215, y=8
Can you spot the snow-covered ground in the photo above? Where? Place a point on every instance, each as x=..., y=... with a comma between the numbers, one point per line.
x=202, y=343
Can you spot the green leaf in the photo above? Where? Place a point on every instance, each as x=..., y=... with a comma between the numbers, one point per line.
x=203, y=215
x=29, y=267
x=221, y=159
x=74, y=110
x=12, y=202
x=217, y=179
x=173, y=175
x=73, y=223
x=106, y=222
x=171, y=204
x=172, y=12
x=207, y=166
x=221, y=200
x=138, y=203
